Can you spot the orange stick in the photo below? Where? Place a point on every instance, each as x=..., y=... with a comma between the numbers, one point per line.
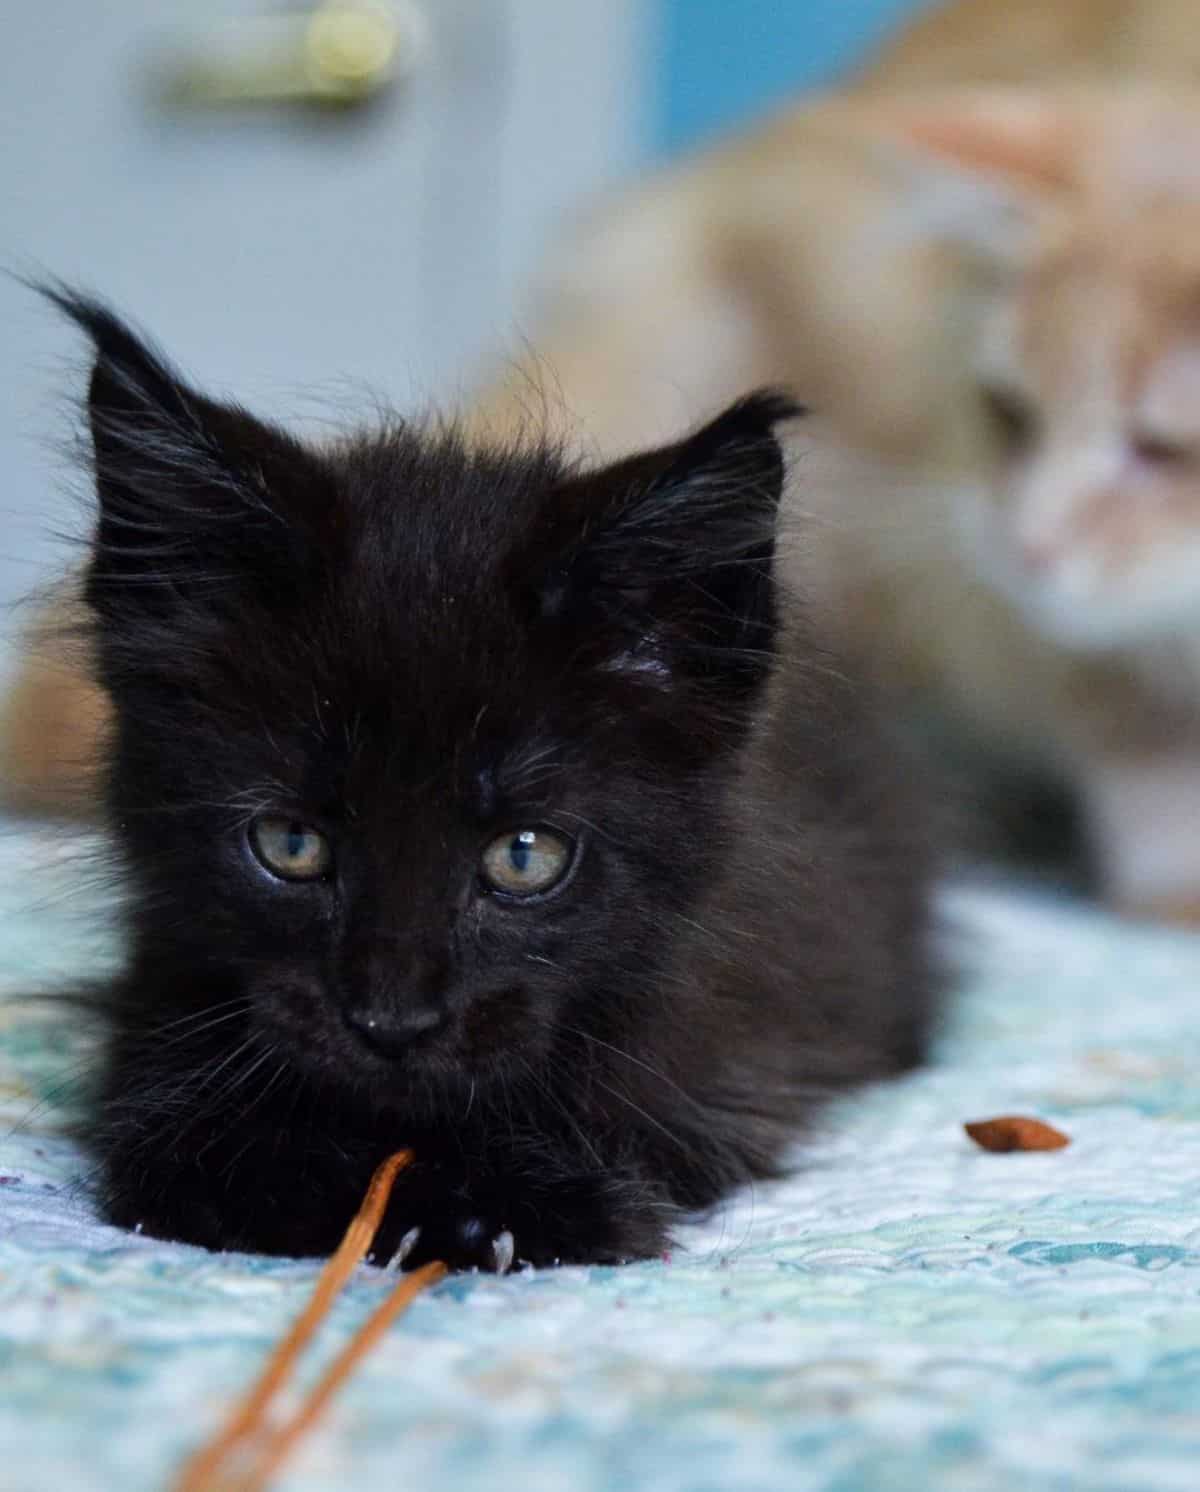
x=285, y=1437
x=248, y=1421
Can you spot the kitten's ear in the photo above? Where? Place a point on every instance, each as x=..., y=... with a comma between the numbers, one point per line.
x=985, y=163
x=1028, y=139
x=672, y=577
x=187, y=489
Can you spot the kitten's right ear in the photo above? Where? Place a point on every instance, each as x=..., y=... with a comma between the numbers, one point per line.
x=983, y=162
x=669, y=568
x=186, y=487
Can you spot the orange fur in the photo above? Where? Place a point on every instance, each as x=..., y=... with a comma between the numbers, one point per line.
x=53, y=723
x=1039, y=41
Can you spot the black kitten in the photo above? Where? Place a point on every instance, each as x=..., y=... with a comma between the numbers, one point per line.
x=472, y=803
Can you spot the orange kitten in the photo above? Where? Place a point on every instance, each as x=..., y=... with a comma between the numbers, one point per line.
x=993, y=298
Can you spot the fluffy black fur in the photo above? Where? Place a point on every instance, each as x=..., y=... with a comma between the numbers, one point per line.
x=413, y=646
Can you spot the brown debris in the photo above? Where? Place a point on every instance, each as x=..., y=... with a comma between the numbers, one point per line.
x=1016, y=1132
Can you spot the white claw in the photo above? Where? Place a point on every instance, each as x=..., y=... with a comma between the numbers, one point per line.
x=503, y=1249
x=407, y=1244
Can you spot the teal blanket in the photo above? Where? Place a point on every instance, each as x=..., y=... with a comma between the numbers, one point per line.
x=908, y=1312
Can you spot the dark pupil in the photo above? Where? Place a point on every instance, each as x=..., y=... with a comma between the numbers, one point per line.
x=519, y=852
x=295, y=841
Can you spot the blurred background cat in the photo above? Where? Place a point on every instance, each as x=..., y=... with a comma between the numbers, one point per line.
x=986, y=297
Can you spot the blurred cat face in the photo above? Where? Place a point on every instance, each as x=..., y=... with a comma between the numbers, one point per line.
x=1088, y=389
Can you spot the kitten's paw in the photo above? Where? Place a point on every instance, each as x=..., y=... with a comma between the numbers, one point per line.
x=503, y=1252
x=407, y=1244
x=494, y=1225
x=463, y=1243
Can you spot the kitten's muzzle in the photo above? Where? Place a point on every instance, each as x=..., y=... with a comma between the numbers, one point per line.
x=391, y=1033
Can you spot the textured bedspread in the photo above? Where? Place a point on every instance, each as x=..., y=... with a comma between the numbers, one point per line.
x=907, y=1313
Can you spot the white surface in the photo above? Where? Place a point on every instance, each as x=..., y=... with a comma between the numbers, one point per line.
x=904, y=1314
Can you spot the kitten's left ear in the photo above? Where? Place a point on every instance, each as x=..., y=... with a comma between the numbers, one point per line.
x=187, y=488
x=673, y=574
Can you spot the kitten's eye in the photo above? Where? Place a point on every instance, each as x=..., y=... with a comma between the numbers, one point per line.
x=1159, y=450
x=1012, y=416
x=290, y=849
x=527, y=861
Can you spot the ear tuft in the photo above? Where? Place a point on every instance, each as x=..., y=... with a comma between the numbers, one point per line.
x=706, y=501
x=750, y=420
x=149, y=429
x=671, y=571
x=129, y=359
x=189, y=490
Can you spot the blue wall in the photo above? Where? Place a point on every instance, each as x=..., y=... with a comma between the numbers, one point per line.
x=721, y=62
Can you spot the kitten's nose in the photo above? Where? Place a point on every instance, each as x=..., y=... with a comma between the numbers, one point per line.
x=391, y=1032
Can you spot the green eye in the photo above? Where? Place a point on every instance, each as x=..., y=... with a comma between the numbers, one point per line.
x=290, y=849
x=526, y=861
